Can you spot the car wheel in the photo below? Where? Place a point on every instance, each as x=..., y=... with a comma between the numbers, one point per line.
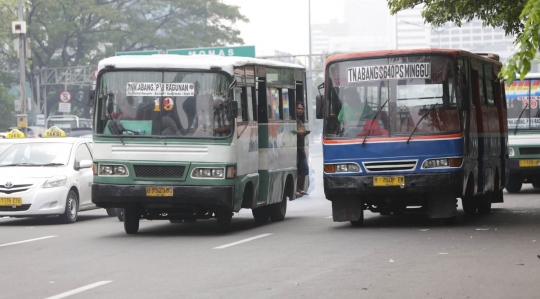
x=514, y=184
x=120, y=214
x=71, y=211
x=224, y=220
x=111, y=212
x=131, y=221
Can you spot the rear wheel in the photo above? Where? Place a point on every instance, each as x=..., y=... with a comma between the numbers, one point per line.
x=72, y=208
x=514, y=184
x=131, y=221
x=224, y=220
x=111, y=212
x=120, y=214
x=277, y=211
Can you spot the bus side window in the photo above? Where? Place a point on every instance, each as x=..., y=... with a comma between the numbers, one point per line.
x=481, y=84
x=490, y=91
x=272, y=97
x=240, y=96
x=292, y=101
x=252, y=103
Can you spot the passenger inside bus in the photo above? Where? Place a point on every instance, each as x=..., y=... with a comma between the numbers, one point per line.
x=353, y=108
x=222, y=125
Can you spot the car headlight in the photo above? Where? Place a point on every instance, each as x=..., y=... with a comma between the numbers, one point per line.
x=510, y=152
x=442, y=163
x=55, y=181
x=116, y=170
x=339, y=168
x=208, y=173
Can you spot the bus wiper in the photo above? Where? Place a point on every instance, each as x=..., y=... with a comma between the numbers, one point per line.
x=52, y=164
x=372, y=120
x=517, y=122
x=421, y=118
x=19, y=164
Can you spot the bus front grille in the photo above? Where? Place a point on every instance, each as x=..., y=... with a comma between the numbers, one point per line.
x=382, y=166
x=159, y=171
x=529, y=150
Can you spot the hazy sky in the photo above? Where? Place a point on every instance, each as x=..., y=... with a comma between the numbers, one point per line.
x=283, y=24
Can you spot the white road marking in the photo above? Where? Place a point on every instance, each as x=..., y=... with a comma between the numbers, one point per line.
x=242, y=241
x=31, y=240
x=81, y=289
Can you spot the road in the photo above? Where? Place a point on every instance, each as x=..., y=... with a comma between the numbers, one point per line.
x=306, y=256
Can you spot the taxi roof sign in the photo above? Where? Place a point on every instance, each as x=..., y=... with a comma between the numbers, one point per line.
x=15, y=133
x=54, y=131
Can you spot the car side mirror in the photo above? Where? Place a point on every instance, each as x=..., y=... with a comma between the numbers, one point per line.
x=319, y=107
x=85, y=164
x=233, y=109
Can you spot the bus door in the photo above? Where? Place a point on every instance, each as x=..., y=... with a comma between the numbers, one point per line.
x=478, y=98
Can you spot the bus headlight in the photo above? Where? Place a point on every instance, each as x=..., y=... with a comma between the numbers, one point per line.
x=208, y=173
x=442, y=163
x=340, y=168
x=510, y=152
x=116, y=170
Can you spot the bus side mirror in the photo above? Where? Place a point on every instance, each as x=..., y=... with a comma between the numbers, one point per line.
x=91, y=98
x=319, y=107
x=233, y=109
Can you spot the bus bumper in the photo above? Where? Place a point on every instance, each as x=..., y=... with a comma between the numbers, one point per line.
x=447, y=183
x=134, y=196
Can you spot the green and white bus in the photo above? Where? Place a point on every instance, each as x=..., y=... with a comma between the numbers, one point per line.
x=183, y=138
x=523, y=101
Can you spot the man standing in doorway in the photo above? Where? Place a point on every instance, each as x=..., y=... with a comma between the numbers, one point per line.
x=301, y=158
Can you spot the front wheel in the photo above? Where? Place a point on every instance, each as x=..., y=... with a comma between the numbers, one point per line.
x=120, y=214
x=111, y=212
x=469, y=205
x=277, y=211
x=261, y=214
x=131, y=221
x=514, y=184
x=360, y=221
x=484, y=204
x=224, y=220
x=71, y=211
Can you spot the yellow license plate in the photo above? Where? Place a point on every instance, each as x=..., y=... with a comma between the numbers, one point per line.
x=10, y=201
x=159, y=191
x=529, y=163
x=388, y=180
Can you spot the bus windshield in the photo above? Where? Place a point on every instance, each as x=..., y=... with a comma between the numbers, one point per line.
x=522, y=98
x=407, y=90
x=173, y=104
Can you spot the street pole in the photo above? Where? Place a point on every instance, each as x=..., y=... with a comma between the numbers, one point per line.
x=22, y=69
x=308, y=81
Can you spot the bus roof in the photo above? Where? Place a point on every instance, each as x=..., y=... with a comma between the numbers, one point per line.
x=174, y=61
x=390, y=53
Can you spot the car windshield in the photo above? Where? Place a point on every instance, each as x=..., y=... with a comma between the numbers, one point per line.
x=38, y=154
x=407, y=90
x=172, y=104
x=522, y=100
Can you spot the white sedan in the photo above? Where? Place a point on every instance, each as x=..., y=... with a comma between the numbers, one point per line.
x=46, y=176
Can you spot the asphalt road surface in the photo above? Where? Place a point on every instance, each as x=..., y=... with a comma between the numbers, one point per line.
x=306, y=256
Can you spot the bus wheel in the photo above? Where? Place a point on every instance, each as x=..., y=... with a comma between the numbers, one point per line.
x=514, y=184
x=224, y=220
x=469, y=205
x=277, y=211
x=111, y=212
x=360, y=221
x=131, y=221
x=484, y=204
x=261, y=214
x=120, y=214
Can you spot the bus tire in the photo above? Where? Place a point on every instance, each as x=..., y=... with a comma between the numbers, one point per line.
x=111, y=212
x=484, y=204
x=261, y=214
x=277, y=211
x=131, y=221
x=514, y=184
x=360, y=221
x=224, y=220
x=469, y=205
x=120, y=214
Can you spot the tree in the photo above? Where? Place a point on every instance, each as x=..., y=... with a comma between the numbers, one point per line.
x=67, y=33
x=7, y=105
x=518, y=17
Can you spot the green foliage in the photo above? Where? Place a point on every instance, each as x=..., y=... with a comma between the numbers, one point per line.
x=517, y=17
x=7, y=105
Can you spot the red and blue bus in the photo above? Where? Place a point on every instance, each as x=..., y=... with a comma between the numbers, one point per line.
x=413, y=130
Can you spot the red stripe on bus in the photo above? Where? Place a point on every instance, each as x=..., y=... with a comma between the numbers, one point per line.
x=451, y=136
